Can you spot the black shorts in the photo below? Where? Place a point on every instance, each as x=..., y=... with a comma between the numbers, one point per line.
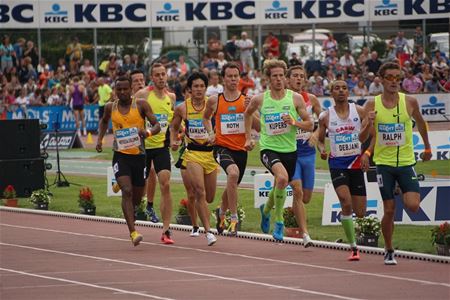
x=353, y=178
x=405, y=176
x=269, y=158
x=101, y=111
x=160, y=158
x=78, y=107
x=129, y=165
x=226, y=157
x=179, y=163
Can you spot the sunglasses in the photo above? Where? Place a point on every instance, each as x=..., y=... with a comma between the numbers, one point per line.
x=391, y=77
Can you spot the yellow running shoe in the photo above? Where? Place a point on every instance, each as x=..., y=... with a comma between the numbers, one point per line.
x=232, y=229
x=136, y=238
x=115, y=187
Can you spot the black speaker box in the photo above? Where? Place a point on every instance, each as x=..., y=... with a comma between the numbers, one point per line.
x=20, y=139
x=25, y=175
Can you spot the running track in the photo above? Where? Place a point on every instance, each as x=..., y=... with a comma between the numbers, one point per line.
x=50, y=257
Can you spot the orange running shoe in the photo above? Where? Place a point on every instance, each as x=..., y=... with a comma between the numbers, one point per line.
x=354, y=256
x=165, y=238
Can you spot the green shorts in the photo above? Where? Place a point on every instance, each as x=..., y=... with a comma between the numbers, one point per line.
x=406, y=178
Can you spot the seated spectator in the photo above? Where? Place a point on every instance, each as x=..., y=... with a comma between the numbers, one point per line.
x=369, y=79
x=317, y=88
x=433, y=86
x=411, y=84
x=362, y=58
x=347, y=61
x=373, y=64
x=439, y=67
x=426, y=74
x=173, y=72
x=231, y=53
x=214, y=87
x=329, y=44
x=331, y=60
x=182, y=65
x=295, y=61
x=42, y=66
x=420, y=57
x=245, y=83
x=127, y=65
x=376, y=88
x=54, y=98
x=352, y=81
x=272, y=46
x=360, y=90
x=7, y=54
x=22, y=101
x=214, y=46
x=208, y=63
x=221, y=61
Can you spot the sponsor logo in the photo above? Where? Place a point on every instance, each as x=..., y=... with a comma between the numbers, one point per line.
x=386, y=8
x=168, y=14
x=441, y=151
x=276, y=11
x=336, y=212
x=327, y=9
x=56, y=15
x=433, y=107
x=264, y=191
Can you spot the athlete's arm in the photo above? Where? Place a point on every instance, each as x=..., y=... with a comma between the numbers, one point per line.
x=323, y=123
x=142, y=94
x=421, y=126
x=103, y=125
x=369, y=110
x=254, y=105
x=210, y=110
x=366, y=123
x=306, y=123
x=317, y=110
x=176, y=124
x=146, y=112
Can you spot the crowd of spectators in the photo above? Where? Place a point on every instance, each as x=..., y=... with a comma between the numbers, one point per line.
x=26, y=80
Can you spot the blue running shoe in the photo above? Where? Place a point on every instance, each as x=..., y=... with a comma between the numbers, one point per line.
x=265, y=220
x=151, y=214
x=278, y=231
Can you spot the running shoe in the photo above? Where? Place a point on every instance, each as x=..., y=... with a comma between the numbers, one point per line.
x=210, y=238
x=115, y=187
x=136, y=238
x=232, y=229
x=166, y=239
x=354, y=255
x=84, y=132
x=220, y=221
x=278, y=231
x=389, y=258
x=265, y=220
x=194, y=231
x=151, y=214
x=307, y=241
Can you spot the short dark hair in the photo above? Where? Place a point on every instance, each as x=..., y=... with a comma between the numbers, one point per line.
x=388, y=66
x=137, y=71
x=296, y=67
x=123, y=78
x=195, y=76
x=230, y=65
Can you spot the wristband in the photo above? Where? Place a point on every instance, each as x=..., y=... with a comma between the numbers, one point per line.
x=427, y=150
x=149, y=133
x=368, y=153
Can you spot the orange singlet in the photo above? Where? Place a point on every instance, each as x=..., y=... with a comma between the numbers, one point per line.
x=230, y=127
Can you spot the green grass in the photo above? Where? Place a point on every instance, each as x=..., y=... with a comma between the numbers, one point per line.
x=407, y=237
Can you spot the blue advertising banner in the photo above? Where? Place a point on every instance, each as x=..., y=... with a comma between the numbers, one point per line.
x=62, y=114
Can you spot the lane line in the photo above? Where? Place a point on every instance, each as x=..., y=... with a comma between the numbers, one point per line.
x=86, y=284
x=274, y=286
x=241, y=256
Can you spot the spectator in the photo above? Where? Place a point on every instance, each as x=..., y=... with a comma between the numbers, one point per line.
x=329, y=45
x=42, y=66
x=419, y=58
x=231, y=49
x=369, y=79
x=182, y=65
x=221, y=61
x=400, y=43
x=54, y=98
x=331, y=60
x=33, y=53
x=317, y=88
x=214, y=46
x=36, y=98
x=104, y=95
x=112, y=67
x=295, y=61
x=87, y=68
x=173, y=73
x=433, y=86
x=376, y=88
x=245, y=83
x=76, y=100
x=439, y=67
x=22, y=101
x=411, y=84
x=360, y=90
x=127, y=65
x=418, y=38
x=7, y=55
x=19, y=48
x=208, y=63
x=245, y=46
x=352, y=81
x=363, y=57
x=74, y=52
x=347, y=61
x=426, y=74
x=30, y=86
x=214, y=87
x=373, y=64
x=329, y=78
x=271, y=45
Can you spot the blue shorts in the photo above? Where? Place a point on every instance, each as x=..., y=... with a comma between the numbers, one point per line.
x=305, y=170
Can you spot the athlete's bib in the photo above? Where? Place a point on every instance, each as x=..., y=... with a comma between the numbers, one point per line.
x=391, y=134
x=232, y=123
x=127, y=138
x=302, y=134
x=196, y=130
x=275, y=125
x=346, y=144
x=163, y=122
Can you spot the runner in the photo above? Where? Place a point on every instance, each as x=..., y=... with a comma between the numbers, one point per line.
x=279, y=110
x=198, y=158
x=128, y=121
x=157, y=147
x=393, y=151
x=348, y=126
x=303, y=180
x=229, y=141
x=76, y=100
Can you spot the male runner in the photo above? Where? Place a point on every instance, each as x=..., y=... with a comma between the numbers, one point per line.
x=348, y=127
x=138, y=83
x=128, y=121
x=200, y=165
x=393, y=151
x=303, y=180
x=157, y=147
x=279, y=110
x=229, y=141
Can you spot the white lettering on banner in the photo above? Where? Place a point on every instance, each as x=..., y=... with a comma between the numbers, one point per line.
x=434, y=206
x=130, y=13
x=439, y=141
x=263, y=183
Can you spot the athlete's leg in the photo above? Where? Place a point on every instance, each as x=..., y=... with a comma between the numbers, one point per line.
x=76, y=114
x=298, y=206
x=387, y=222
x=281, y=182
x=166, y=198
x=138, y=192
x=343, y=193
x=83, y=121
x=191, y=197
x=127, y=200
x=151, y=185
x=196, y=171
x=232, y=184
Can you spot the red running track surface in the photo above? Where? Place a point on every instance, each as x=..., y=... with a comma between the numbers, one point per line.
x=47, y=257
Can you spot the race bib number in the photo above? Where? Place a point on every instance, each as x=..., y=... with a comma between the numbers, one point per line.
x=275, y=124
x=163, y=122
x=196, y=130
x=346, y=144
x=232, y=124
x=391, y=134
x=127, y=138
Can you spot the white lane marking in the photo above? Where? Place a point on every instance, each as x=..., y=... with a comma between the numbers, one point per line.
x=274, y=286
x=242, y=256
x=121, y=291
